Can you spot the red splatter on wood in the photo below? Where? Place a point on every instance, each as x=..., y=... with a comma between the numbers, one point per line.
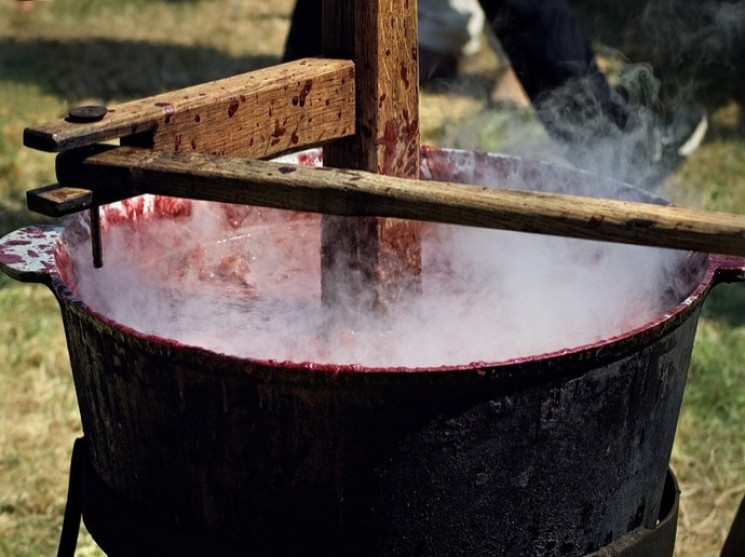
x=167, y=109
x=405, y=76
x=305, y=91
x=279, y=129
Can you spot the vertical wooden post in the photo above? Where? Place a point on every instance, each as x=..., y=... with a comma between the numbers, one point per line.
x=373, y=264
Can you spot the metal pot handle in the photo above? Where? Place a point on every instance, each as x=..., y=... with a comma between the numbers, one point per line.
x=729, y=268
x=27, y=255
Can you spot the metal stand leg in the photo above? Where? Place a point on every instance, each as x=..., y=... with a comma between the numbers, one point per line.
x=73, y=508
x=657, y=542
x=734, y=546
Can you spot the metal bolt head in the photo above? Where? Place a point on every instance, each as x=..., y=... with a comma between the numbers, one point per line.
x=86, y=114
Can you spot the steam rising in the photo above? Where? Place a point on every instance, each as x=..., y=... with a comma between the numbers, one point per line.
x=250, y=286
x=674, y=49
x=692, y=36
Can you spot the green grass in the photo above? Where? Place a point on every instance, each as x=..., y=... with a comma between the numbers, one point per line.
x=58, y=55
x=68, y=52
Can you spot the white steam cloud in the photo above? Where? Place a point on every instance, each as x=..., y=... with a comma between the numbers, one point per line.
x=693, y=35
x=246, y=282
x=250, y=286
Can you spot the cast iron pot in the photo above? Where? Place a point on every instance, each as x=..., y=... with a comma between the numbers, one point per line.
x=551, y=454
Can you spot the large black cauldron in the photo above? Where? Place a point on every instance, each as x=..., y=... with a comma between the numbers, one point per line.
x=555, y=454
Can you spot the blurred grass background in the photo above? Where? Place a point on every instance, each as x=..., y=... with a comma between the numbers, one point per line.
x=63, y=53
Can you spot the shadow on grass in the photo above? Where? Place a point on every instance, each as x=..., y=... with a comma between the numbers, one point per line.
x=116, y=69
x=726, y=303
x=12, y=219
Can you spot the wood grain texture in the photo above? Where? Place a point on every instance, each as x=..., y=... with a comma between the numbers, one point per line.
x=129, y=171
x=374, y=264
x=56, y=201
x=255, y=115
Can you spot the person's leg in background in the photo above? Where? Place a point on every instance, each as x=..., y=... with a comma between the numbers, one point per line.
x=305, y=37
x=548, y=49
x=613, y=131
x=542, y=39
x=595, y=126
x=448, y=30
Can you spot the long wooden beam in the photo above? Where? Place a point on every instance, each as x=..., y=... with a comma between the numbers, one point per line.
x=128, y=171
x=253, y=115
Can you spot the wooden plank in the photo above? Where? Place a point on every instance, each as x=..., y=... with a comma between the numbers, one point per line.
x=374, y=264
x=55, y=200
x=129, y=171
x=254, y=115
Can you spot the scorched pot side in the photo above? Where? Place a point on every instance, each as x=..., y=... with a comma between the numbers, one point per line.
x=552, y=454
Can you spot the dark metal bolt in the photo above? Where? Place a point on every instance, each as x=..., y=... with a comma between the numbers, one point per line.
x=86, y=114
x=96, y=237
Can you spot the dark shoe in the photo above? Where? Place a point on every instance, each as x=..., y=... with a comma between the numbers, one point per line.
x=674, y=138
x=681, y=133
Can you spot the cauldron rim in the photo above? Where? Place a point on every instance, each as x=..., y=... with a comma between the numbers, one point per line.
x=610, y=348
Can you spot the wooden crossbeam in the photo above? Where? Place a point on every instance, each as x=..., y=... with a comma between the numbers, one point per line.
x=254, y=115
x=127, y=171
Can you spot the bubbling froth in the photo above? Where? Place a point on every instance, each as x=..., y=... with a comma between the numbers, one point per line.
x=245, y=281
